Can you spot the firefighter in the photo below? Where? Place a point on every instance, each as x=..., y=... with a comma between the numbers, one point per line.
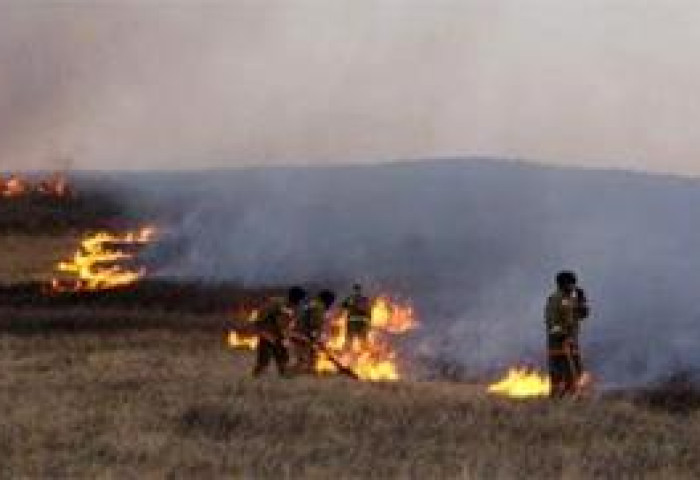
x=565, y=310
x=359, y=310
x=309, y=328
x=274, y=324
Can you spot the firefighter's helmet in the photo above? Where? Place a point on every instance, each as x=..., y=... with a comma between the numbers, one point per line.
x=566, y=278
x=295, y=295
x=327, y=297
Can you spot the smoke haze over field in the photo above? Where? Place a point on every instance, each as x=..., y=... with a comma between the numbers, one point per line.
x=595, y=83
x=175, y=84
x=475, y=245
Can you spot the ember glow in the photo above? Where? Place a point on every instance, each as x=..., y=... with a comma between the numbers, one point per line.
x=102, y=261
x=15, y=186
x=521, y=383
x=374, y=360
x=244, y=341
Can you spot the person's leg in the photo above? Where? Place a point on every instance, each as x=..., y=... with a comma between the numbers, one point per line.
x=309, y=359
x=570, y=374
x=351, y=334
x=281, y=356
x=364, y=333
x=263, y=356
x=557, y=378
x=576, y=356
x=298, y=354
x=302, y=359
x=573, y=366
x=557, y=365
x=313, y=357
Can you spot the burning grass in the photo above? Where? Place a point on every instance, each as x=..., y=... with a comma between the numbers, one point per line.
x=15, y=186
x=375, y=359
x=52, y=207
x=139, y=382
x=521, y=383
x=105, y=260
x=163, y=404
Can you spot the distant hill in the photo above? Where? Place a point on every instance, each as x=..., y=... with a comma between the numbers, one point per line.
x=474, y=243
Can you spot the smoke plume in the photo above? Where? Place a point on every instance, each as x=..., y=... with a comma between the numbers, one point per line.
x=475, y=245
x=192, y=84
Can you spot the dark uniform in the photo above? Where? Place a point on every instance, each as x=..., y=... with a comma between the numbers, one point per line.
x=312, y=319
x=563, y=314
x=273, y=324
x=309, y=327
x=359, y=312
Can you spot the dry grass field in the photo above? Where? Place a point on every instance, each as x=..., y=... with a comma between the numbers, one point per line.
x=25, y=257
x=163, y=397
x=164, y=404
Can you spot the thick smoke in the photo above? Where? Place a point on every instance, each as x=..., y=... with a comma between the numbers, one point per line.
x=191, y=84
x=475, y=245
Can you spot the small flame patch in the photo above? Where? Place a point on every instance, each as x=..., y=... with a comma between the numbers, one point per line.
x=101, y=261
x=522, y=382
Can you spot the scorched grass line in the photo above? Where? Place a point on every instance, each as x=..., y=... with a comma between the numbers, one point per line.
x=173, y=296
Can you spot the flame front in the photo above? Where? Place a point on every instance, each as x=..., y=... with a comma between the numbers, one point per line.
x=14, y=186
x=374, y=359
x=392, y=316
x=521, y=383
x=99, y=262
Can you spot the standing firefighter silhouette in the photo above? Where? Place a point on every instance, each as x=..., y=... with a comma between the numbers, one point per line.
x=309, y=328
x=273, y=326
x=359, y=311
x=565, y=310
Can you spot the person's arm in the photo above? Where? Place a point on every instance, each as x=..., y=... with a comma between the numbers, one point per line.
x=552, y=315
x=582, y=309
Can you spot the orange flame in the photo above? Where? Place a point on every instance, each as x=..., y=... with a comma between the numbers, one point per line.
x=244, y=341
x=521, y=383
x=15, y=186
x=374, y=359
x=96, y=264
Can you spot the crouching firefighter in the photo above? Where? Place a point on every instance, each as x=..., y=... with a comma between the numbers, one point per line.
x=565, y=310
x=309, y=328
x=273, y=328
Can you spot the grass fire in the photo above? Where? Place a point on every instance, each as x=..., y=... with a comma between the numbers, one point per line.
x=349, y=240
x=521, y=382
x=104, y=260
x=15, y=186
x=373, y=358
x=113, y=368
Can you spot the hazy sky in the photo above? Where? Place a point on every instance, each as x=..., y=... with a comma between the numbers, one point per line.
x=172, y=84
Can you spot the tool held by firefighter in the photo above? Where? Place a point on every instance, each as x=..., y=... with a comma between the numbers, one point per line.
x=273, y=327
x=319, y=348
x=359, y=310
x=566, y=308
